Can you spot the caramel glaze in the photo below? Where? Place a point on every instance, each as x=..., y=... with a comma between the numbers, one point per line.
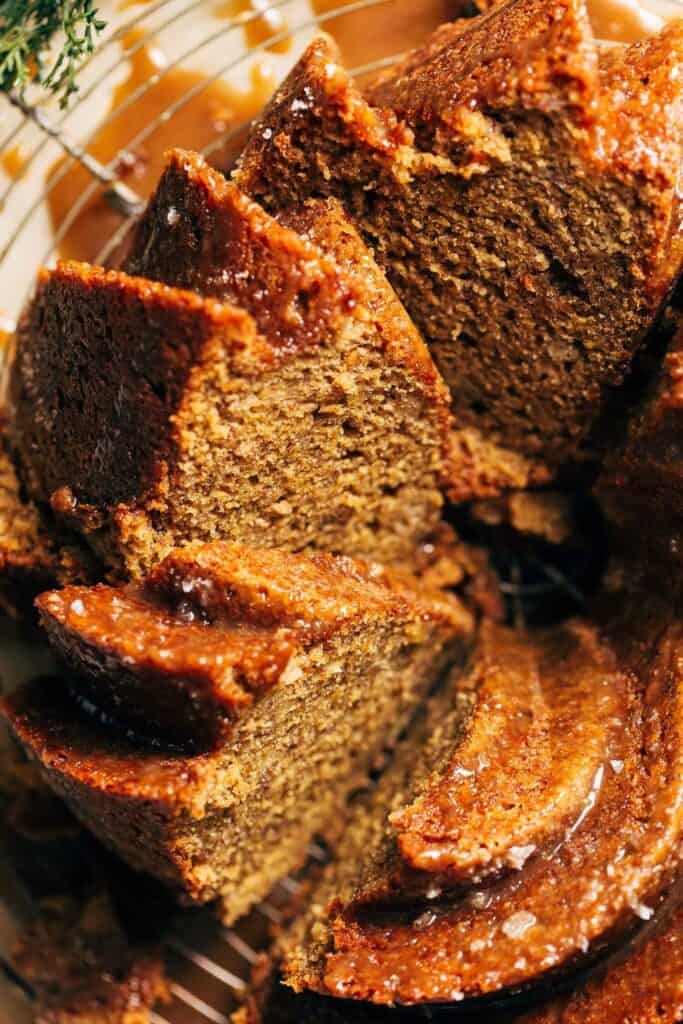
x=178, y=659
x=542, y=728
x=641, y=983
x=166, y=676
x=201, y=121
x=13, y=160
x=605, y=872
x=646, y=986
x=78, y=751
x=202, y=233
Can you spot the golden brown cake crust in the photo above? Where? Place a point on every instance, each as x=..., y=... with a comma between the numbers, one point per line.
x=166, y=420
x=544, y=710
x=524, y=55
x=297, y=274
x=641, y=983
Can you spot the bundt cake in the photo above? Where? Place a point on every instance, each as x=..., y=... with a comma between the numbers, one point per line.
x=75, y=947
x=242, y=412
x=264, y=684
x=149, y=416
x=516, y=833
x=518, y=185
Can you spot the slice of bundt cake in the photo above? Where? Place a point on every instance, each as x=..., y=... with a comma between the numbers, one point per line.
x=519, y=186
x=149, y=416
x=267, y=681
x=515, y=838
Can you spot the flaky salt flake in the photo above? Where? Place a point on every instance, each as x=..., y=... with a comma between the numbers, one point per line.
x=517, y=924
x=517, y=856
x=617, y=767
x=642, y=910
x=172, y=216
x=77, y=607
x=424, y=920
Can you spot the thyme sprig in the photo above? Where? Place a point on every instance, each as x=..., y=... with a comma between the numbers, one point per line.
x=27, y=31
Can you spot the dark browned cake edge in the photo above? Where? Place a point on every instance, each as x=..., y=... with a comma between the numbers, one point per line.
x=75, y=948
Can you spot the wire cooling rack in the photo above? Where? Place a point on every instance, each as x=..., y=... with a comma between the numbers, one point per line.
x=208, y=965
x=40, y=146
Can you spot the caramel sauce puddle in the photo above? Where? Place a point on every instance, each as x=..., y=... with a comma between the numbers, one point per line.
x=201, y=121
x=268, y=24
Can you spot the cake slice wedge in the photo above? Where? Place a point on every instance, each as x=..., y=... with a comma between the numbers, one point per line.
x=519, y=187
x=314, y=418
x=513, y=835
x=243, y=692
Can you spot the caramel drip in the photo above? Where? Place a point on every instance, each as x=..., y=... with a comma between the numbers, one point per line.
x=539, y=737
x=201, y=121
x=385, y=29
x=13, y=161
x=269, y=23
x=627, y=21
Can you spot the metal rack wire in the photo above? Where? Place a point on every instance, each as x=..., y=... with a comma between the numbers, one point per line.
x=123, y=199
x=209, y=964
